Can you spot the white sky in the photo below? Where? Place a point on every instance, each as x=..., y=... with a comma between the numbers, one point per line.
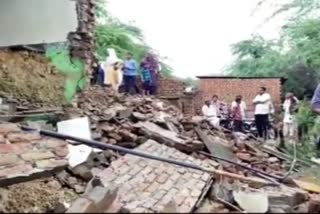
x=194, y=34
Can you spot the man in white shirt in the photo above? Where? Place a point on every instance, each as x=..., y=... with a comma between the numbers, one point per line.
x=211, y=114
x=262, y=104
x=289, y=122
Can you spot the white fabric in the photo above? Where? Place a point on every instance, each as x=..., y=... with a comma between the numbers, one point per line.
x=243, y=108
x=214, y=121
x=211, y=114
x=288, y=118
x=209, y=111
x=265, y=106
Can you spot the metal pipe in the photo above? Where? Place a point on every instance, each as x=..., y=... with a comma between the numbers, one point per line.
x=99, y=145
x=103, y=146
x=258, y=172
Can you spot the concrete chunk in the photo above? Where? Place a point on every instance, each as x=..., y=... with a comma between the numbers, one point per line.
x=102, y=197
x=82, y=205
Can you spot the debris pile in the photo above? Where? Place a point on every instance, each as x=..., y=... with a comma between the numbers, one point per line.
x=18, y=72
x=235, y=172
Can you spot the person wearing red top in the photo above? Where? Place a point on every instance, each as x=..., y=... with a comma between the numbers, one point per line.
x=236, y=115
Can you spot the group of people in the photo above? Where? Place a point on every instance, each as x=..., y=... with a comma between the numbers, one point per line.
x=115, y=72
x=263, y=111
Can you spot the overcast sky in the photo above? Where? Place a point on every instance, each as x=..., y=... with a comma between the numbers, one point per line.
x=195, y=34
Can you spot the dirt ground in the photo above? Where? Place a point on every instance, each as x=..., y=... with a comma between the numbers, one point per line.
x=37, y=196
x=30, y=76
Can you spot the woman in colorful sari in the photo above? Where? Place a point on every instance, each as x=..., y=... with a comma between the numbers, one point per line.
x=151, y=63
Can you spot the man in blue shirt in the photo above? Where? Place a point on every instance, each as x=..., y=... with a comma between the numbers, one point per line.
x=130, y=73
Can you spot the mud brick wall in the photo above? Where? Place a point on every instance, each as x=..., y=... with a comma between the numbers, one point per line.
x=148, y=185
x=228, y=88
x=82, y=40
x=171, y=87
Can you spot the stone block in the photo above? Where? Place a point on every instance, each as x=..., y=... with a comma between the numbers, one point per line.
x=102, y=197
x=83, y=205
x=33, y=156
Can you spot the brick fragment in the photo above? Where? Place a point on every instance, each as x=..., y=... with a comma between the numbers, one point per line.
x=51, y=163
x=61, y=151
x=31, y=156
x=21, y=169
x=23, y=137
x=102, y=197
x=8, y=128
x=83, y=205
x=9, y=159
x=52, y=143
x=15, y=148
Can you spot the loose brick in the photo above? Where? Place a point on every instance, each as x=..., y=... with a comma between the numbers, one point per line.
x=22, y=169
x=52, y=143
x=9, y=159
x=14, y=148
x=51, y=163
x=83, y=205
x=61, y=151
x=102, y=197
x=23, y=137
x=31, y=156
x=8, y=128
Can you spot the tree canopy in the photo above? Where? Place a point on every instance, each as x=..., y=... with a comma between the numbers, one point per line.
x=295, y=55
x=112, y=33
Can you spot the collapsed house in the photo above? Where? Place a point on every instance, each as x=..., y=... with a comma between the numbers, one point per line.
x=200, y=169
x=172, y=163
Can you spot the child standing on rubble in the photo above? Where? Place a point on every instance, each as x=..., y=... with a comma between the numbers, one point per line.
x=146, y=79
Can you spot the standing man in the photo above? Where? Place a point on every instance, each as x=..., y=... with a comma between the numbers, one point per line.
x=238, y=108
x=130, y=73
x=262, y=104
x=289, y=123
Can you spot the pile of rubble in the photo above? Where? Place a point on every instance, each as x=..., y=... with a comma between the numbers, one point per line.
x=20, y=69
x=223, y=171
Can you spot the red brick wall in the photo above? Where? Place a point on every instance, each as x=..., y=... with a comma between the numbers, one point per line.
x=227, y=89
x=171, y=87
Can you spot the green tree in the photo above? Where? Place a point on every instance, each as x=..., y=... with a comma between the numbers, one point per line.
x=112, y=33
